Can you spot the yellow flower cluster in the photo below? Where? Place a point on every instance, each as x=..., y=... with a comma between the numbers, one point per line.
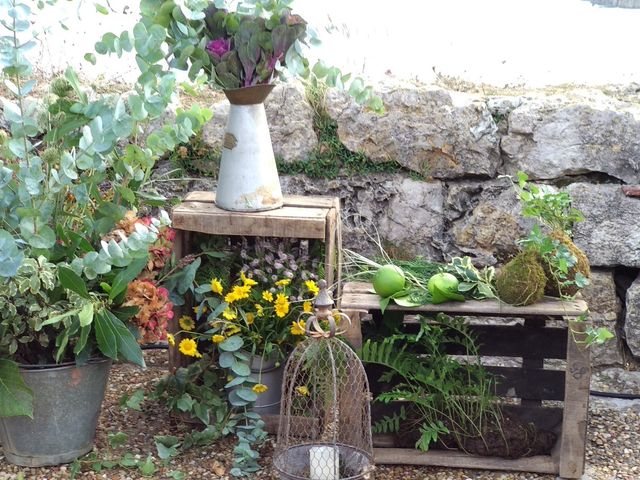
x=312, y=287
x=302, y=390
x=284, y=282
x=238, y=292
x=189, y=347
x=260, y=388
x=298, y=328
x=186, y=323
x=216, y=286
x=267, y=296
x=307, y=307
x=218, y=338
x=282, y=305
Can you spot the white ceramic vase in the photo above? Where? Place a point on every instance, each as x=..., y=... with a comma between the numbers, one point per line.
x=248, y=180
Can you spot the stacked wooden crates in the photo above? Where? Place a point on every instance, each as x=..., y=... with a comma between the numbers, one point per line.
x=550, y=329
x=312, y=218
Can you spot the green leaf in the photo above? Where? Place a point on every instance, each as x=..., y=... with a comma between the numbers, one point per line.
x=58, y=318
x=105, y=336
x=241, y=369
x=117, y=439
x=147, y=468
x=232, y=344
x=125, y=277
x=247, y=394
x=126, y=344
x=167, y=446
x=71, y=281
x=185, y=402
x=86, y=315
x=82, y=340
x=177, y=475
x=90, y=57
x=16, y=399
x=133, y=401
x=101, y=9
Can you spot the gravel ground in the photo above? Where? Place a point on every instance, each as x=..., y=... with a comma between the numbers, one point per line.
x=612, y=451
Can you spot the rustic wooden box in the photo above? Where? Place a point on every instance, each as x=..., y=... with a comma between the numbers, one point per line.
x=532, y=384
x=312, y=218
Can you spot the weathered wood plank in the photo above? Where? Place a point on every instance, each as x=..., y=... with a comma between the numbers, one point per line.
x=289, y=222
x=289, y=200
x=358, y=297
x=513, y=341
x=576, y=404
x=445, y=458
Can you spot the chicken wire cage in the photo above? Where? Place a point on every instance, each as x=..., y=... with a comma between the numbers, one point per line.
x=325, y=419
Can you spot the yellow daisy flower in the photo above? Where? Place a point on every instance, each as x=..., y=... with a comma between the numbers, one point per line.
x=267, y=295
x=298, y=328
x=312, y=287
x=229, y=314
x=242, y=292
x=259, y=309
x=336, y=316
x=302, y=390
x=284, y=282
x=230, y=297
x=200, y=310
x=189, y=347
x=171, y=339
x=260, y=388
x=307, y=307
x=232, y=330
x=186, y=323
x=216, y=286
x=282, y=305
x=247, y=281
x=218, y=338
x=250, y=317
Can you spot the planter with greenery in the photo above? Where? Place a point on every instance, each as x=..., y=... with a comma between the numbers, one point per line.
x=76, y=254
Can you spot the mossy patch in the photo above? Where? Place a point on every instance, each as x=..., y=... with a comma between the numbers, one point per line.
x=581, y=266
x=522, y=280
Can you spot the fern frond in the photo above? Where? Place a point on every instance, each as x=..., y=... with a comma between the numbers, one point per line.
x=390, y=423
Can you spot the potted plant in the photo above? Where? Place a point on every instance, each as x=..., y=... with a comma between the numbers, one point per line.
x=246, y=319
x=243, y=52
x=72, y=244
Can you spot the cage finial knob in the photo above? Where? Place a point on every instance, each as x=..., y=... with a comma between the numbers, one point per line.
x=324, y=299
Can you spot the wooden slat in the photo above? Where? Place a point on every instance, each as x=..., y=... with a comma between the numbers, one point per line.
x=288, y=201
x=576, y=404
x=289, y=222
x=444, y=458
x=534, y=358
x=356, y=296
x=500, y=341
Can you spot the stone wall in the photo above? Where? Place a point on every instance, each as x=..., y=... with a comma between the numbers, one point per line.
x=459, y=146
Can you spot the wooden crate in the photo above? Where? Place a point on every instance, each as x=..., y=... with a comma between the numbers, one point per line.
x=532, y=340
x=313, y=218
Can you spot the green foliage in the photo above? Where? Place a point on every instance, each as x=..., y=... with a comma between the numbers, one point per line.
x=551, y=208
x=442, y=394
x=69, y=172
x=474, y=283
x=259, y=36
x=15, y=397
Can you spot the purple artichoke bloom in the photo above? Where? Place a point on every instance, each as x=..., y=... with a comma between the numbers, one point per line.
x=218, y=47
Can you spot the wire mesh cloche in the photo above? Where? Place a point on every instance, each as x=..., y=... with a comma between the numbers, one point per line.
x=325, y=417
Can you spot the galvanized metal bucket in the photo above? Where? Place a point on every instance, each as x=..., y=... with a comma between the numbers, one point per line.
x=268, y=372
x=248, y=180
x=67, y=401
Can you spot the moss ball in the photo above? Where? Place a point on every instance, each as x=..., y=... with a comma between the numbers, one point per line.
x=522, y=280
x=582, y=266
